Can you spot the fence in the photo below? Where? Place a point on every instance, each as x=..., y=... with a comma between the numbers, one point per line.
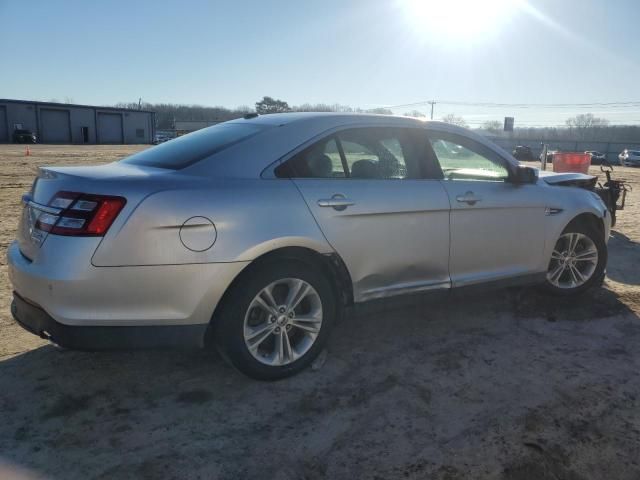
x=610, y=149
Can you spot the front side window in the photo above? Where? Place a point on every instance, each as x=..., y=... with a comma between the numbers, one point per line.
x=359, y=153
x=461, y=158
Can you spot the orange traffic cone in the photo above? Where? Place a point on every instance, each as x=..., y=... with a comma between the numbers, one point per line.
x=27, y=152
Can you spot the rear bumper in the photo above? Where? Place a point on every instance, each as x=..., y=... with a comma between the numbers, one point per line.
x=35, y=320
x=75, y=293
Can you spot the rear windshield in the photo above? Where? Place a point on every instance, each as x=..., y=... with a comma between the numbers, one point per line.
x=189, y=149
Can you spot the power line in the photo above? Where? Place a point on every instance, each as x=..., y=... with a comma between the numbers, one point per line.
x=622, y=104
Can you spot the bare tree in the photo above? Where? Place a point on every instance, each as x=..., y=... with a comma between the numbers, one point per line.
x=380, y=111
x=492, y=126
x=586, y=120
x=585, y=124
x=415, y=114
x=454, y=120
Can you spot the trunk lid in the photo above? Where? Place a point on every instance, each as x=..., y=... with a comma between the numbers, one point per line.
x=130, y=181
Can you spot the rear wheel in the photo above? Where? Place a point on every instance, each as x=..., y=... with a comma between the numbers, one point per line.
x=577, y=262
x=276, y=320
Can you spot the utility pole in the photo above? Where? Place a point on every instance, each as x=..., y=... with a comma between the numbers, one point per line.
x=432, y=103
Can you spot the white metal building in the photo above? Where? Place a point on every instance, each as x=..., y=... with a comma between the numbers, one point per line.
x=69, y=123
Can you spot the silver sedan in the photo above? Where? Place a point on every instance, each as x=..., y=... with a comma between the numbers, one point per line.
x=254, y=235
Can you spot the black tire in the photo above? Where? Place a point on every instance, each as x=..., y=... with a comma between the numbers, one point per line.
x=228, y=324
x=598, y=274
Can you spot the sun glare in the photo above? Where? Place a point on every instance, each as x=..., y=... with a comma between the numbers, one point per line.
x=457, y=19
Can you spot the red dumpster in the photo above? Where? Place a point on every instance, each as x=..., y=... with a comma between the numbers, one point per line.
x=571, y=162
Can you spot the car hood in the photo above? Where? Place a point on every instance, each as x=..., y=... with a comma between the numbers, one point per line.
x=568, y=179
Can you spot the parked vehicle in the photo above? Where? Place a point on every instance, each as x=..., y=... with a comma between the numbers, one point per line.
x=629, y=158
x=254, y=235
x=549, y=156
x=159, y=138
x=24, y=136
x=523, y=153
x=597, y=158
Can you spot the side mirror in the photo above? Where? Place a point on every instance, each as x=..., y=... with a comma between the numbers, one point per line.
x=524, y=174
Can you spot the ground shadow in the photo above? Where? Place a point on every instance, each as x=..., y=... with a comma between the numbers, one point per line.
x=402, y=368
x=624, y=259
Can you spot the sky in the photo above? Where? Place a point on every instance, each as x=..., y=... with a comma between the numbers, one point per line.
x=362, y=53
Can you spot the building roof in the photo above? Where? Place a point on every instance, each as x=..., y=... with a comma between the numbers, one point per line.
x=55, y=104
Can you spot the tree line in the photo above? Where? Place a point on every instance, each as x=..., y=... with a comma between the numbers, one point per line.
x=580, y=127
x=168, y=113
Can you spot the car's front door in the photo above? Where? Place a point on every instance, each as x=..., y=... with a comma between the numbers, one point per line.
x=497, y=227
x=367, y=190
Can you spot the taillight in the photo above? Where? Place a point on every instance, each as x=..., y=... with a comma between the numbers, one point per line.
x=81, y=214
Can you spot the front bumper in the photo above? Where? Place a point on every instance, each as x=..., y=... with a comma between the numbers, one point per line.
x=35, y=320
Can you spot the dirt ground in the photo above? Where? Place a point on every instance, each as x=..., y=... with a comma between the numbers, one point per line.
x=505, y=385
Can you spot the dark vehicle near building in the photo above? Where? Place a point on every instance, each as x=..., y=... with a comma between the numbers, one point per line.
x=524, y=153
x=24, y=136
x=597, y=158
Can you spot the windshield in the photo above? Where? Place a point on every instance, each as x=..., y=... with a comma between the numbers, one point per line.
x=189, y=149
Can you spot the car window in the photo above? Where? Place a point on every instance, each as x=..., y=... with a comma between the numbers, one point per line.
x=321, y=160
x=189, y=149
x=373, y=156
x=362, y=153
x=461, y=158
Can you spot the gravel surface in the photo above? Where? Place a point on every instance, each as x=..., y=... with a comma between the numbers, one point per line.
x=509, y=384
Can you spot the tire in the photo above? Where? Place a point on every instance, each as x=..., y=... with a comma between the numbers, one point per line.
x=242, y=315
x=588, y=239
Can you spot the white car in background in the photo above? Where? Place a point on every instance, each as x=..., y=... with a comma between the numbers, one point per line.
x=629, y=158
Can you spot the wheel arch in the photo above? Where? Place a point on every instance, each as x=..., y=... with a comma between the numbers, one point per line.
x=331, y=265
x=589, y=220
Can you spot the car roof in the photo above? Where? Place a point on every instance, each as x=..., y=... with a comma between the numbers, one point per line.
x=282, y=133
x=279, y=119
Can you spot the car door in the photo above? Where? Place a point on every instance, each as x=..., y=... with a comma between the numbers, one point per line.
x=497, y=227
x=367, y=191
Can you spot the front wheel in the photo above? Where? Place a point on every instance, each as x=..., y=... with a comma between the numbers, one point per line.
x=577, y=262
x=276, y=320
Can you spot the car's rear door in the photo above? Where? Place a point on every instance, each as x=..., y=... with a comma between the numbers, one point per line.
x=368, y=191
x=497, y=227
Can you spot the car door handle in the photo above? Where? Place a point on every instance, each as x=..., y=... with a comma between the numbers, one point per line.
x=337, y=202
x=469, y=198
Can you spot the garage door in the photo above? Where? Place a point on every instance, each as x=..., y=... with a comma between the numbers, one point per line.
x=3, y=125
x=54, y=125
x=110, y=128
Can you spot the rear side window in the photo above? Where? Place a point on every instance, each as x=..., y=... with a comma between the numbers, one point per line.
x=189, y=149
x=359, y=153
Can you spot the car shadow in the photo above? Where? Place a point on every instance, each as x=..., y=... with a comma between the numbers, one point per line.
x=392, y=368
x=624, y=258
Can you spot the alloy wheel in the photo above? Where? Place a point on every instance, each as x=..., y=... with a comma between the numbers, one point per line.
x=282, y=322
x=573, y=261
